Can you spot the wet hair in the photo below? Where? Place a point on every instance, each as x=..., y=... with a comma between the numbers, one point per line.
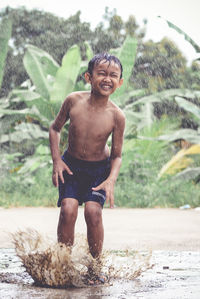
x=103, y=56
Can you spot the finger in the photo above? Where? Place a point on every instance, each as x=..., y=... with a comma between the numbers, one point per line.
x=68, y=170
x=110, y=199
x=61, y=177
x=55, y=179
x=112, y=202
x=107, y=196
x=97, y=188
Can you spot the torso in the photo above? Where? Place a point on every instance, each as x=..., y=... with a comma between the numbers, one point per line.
x=89, y=128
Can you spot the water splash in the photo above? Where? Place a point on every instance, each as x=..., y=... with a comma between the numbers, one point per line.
x=57, y=265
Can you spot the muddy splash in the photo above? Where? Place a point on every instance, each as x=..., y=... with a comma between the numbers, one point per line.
x=56, y=265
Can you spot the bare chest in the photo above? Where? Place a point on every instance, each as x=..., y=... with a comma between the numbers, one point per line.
x=90, y=123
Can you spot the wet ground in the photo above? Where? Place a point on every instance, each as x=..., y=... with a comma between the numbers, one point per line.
x=175, y=274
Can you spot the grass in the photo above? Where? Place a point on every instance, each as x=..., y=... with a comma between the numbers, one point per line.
x=36, y=191
x=166, y=194
x=137, y=186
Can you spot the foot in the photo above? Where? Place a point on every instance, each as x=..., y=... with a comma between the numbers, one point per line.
x=99, y=279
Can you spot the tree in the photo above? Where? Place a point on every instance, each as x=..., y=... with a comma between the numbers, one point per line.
x=44, y=30
x=159, y=66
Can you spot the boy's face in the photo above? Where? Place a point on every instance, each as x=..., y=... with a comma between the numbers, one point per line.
x=105, y=78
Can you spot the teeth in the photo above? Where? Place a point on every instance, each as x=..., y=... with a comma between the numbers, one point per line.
x=106, y=86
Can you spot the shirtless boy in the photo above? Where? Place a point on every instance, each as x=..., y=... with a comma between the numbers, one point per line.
x=87, y=171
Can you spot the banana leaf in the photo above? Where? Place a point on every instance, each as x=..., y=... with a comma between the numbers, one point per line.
x=42, y=150
x=114, y=51
x=188, y=174
x=89, y=53
x=40, y=159
x=127, y=56
x=147, y=110
x=34, y=163
x=24, y=131
x=186, y=134
x=31, y=99
x=66, y=75
x=187, y=37
x=5, y=34
x=41, y=68
x=135, y=121
x=180, y=160
x=168, y=94
x=33, y=112
x=132, y=120
x=126, y=97
x=188, y=106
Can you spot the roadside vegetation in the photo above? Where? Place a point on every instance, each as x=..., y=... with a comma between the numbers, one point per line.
x=43, y=58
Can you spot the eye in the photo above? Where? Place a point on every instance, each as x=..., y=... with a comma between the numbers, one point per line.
x=114, y=75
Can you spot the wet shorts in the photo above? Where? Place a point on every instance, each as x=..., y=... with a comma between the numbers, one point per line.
x=86, y=174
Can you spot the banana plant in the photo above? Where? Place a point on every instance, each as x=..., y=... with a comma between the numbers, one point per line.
x=186, y=36
x=145, y=117
x=180, y=161
x=51, y=84
x=66, y=76
x=5, y=35
x=40, y=100
x=190, y=135
x=127, y=55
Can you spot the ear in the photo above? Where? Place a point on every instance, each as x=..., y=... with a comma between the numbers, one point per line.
x=87, y=77
x=120, y=82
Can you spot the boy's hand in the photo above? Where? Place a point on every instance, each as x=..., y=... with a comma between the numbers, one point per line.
x=108, y=187
x=58, y=167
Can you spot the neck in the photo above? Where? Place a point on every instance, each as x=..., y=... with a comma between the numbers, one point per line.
x=98, y=100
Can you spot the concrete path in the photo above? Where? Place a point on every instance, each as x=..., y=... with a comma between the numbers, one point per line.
x=139, y=229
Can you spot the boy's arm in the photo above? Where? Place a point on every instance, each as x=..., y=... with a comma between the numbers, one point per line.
x=54, y=137
x=116, y=153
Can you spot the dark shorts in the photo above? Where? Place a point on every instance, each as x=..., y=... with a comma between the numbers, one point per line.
x=86, y=174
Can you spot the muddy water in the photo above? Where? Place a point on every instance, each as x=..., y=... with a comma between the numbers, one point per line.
x=174, y=275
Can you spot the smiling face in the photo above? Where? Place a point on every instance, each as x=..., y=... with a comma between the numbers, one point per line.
x=105, y=78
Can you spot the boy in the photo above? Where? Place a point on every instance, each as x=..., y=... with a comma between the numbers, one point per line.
x=87, y=171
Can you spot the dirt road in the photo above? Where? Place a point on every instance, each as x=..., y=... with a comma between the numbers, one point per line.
x=139, y=229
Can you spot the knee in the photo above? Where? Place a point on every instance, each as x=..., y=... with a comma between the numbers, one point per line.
x=68, y=211
x=93, y=216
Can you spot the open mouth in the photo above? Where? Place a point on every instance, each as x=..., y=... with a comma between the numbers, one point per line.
x=106, y=87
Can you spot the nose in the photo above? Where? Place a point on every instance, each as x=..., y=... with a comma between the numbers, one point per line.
x=106, y=78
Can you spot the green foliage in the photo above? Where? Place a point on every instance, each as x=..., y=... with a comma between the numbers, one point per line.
x=126, y=55
x=192, y=76
x=5, y=34
x=150, y=139
x=33, y=191
x=52, y=34
x=66, y=75
x=165, y=194
x=24, y=131
x=35, y=101
x=138, y=184
x=35, y=107
x=159, y=66
x=41, y=68
x=187, y=37
x=188, y=106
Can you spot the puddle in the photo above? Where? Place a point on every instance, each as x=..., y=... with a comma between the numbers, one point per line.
x=174, y=275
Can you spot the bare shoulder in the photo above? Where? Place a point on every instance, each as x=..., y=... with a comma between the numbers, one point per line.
x=119, y=115
x=75, y=97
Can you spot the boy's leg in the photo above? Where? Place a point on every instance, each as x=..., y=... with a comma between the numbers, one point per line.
x=95, y=231
x=67, y=219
